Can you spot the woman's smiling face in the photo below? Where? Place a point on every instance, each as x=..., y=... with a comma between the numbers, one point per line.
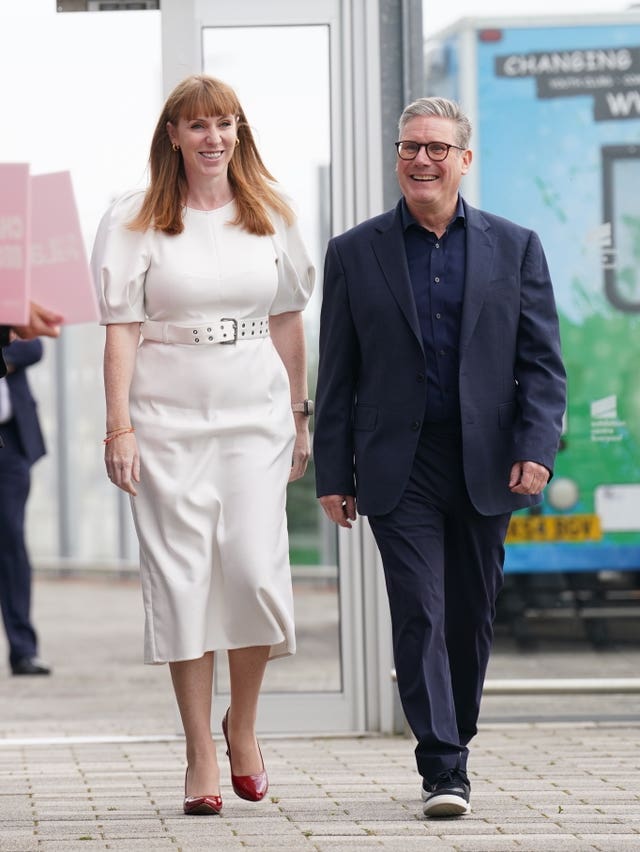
x=207, y=144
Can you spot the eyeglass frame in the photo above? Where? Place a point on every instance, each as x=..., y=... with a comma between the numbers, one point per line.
x=425, y=145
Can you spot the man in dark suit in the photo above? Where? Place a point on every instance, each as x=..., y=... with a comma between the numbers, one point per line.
x=440, y=398
x=23, y=445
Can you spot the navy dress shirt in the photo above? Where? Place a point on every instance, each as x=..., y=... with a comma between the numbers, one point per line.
x=437, y=272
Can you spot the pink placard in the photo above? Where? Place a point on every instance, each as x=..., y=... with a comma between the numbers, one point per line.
x=14, y=240
x=60, y=275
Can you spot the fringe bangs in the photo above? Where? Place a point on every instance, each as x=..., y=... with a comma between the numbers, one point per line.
x=205, y=96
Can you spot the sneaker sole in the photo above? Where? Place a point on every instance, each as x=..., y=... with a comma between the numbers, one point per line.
x=446, y=805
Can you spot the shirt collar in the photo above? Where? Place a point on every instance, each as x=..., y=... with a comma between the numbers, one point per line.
x=408, y=219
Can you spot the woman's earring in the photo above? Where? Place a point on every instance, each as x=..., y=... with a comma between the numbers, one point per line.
x=175, y=147
x=237, y=141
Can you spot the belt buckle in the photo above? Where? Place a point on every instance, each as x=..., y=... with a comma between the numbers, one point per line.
x=235, y=330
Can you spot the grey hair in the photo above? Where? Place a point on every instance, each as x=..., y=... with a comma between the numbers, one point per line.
x=439, y=108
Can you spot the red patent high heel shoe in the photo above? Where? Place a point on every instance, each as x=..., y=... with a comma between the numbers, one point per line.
x=200, y=805
x=253, y=788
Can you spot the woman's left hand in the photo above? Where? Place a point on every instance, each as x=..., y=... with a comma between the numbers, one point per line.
x=301, y=448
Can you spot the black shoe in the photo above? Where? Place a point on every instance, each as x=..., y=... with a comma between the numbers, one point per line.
x=30, y=666
x=448, y=795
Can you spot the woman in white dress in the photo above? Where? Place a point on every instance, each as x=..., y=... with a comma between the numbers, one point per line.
x=202, y=279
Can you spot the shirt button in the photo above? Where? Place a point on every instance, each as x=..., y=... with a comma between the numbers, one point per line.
x=437, y=279
x=437, y=245
x=415, y=425
x=438, y=316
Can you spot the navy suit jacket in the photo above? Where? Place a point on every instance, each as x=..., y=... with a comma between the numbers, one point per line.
x=4, y=340
x=20, y=355
x=371, y=393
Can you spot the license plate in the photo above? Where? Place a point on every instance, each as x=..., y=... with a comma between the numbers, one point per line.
x=554, y=528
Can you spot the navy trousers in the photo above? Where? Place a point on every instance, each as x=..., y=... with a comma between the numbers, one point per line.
x=15, y=567
x=443, y=566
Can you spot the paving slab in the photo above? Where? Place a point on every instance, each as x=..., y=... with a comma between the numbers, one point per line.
x=91, y=759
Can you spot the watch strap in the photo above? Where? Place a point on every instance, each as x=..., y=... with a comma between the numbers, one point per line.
x=305, y=407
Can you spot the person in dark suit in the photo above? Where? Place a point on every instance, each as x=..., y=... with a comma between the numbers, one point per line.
x=23, y=445
x=439, y=406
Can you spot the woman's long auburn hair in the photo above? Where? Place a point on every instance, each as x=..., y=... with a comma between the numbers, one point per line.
x=162, y=209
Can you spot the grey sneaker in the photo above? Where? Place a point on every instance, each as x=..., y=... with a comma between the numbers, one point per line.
x=448, y=795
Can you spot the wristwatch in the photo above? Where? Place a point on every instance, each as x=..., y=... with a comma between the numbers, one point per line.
x=305, y=407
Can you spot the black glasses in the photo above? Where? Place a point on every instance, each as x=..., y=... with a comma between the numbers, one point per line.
x=436, y=151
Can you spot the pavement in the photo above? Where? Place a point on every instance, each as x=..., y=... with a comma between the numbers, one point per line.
x=90, y=757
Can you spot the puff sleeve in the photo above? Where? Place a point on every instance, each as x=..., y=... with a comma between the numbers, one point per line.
x=296, y=274
x=119, y=262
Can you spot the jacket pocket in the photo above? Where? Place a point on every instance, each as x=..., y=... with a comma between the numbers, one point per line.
x=365, y=417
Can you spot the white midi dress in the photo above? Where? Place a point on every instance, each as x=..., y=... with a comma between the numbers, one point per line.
x=214, y=427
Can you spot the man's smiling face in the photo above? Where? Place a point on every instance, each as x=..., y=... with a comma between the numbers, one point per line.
x=426, y=185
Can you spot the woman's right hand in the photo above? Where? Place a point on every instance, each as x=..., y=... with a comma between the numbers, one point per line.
x=123, y=462
x=121, y=450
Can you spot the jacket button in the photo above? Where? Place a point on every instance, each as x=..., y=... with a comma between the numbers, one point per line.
x=415, y=425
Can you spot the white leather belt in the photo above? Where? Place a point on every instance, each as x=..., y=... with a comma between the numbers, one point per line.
x=223, y=330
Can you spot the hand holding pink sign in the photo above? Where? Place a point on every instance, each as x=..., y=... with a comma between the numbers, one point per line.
x=42, y=323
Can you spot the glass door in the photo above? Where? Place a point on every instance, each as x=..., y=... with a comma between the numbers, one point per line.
x=278, y=58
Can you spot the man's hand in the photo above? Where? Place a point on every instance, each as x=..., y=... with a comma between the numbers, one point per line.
x=528, y=477
x=42, y=323
x=339, y=508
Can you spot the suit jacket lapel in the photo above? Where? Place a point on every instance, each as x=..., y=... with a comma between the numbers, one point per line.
x=388, y=247
x=480, y=251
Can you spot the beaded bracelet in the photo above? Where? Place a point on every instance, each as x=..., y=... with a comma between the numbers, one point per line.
x=112, y=435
